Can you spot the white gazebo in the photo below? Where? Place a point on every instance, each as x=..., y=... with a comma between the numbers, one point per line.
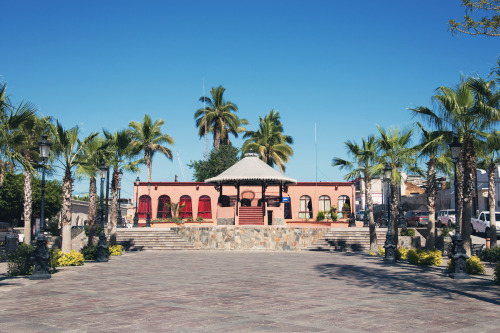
x=251, y=171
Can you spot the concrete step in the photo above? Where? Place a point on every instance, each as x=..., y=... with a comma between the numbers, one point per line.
x=151, y=239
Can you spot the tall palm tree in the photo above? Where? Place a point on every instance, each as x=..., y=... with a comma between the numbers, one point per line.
x=269, y=141
x=465, y=110
x=489, y=159
x=30, y=133
x=68, y=150
x=360, y=166
x=120, y=159
x=11, y=118
x=95, y=151
x=433, y=148
x=218, y=116
x=147, y=137
x=394, y=149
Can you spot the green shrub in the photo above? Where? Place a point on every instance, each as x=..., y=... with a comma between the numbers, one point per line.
x=115, y=250
x=199, y=219
x=74, y=258
x=497, y=274
x=474, y=266
x=408, y=232
x=381, y=251
x=402, y=254
x=446, y=231
x=425, y=258
x=491, y=255
x=20, y=260
x=89, y=252
x=320, y=216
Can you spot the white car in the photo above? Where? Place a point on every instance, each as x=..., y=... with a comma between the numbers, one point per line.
x=446, y=217
x=481, y=224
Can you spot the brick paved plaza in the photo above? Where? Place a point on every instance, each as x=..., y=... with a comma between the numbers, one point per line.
x=217, y=291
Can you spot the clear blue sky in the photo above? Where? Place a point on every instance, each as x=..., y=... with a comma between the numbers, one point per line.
x=345, y=66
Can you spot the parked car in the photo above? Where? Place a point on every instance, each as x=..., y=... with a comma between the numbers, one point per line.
x=446, y=217
x=417, y=218
x=481, y=224
x=360, y=215
x=7, y=230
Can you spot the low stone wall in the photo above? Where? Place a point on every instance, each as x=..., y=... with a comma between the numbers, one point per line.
x=273, y=238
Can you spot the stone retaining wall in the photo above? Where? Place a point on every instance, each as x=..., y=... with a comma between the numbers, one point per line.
x=272, y=238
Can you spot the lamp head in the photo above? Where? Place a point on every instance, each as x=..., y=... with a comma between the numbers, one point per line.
x=387, y=171
x=137, y=181
x=455, y=147
x=44, y=147
x=103, y=169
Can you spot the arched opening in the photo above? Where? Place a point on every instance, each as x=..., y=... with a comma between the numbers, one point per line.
x=344, y=204
x=164, y=207
x=144, y=206
x=305, y=211
x=325, y=205
x=246, y=202
x=205, y=207
x=186, y=207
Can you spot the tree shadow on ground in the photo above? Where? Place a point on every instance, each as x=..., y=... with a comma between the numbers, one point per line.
x=403, y=278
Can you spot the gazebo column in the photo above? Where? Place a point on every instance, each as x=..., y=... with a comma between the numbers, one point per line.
x=263, y=199
x=281, y=192
x=237, y=197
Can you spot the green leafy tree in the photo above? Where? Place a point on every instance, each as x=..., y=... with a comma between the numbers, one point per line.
x=12, y=198
x=363, y=159
x=148, y=137
x=481, y=18
x=218, y=117
x=219, y=161
x=269, y=141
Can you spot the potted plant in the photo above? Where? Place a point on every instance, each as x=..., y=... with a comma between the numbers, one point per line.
x=333, y=213
x=345, y=210
x=320, y=216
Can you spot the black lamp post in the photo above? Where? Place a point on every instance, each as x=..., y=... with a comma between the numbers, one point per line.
x=458, y=254
x=41, y=255
x=148, y=216
x=102, y=245
x=119, y=220
x=136, y=216
x=389, y=246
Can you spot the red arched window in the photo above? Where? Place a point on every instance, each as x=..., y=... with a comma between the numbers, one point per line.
x=205, y=207
x=144, y=206
x=164, y=208
x=187, y=208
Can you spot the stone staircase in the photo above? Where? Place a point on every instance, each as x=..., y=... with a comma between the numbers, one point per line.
x=250, y=216
x=347, y=240
x=138, y=239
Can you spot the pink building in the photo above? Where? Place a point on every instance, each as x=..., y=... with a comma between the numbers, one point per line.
x=236, y=198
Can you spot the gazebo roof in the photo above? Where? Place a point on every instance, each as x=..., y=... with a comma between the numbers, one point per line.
x=250, y=171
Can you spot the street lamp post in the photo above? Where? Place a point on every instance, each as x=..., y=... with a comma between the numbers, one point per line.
x=389, y=246
x=102, y=245
x=136, y=216
x=458, y=253
x=119, y=218
x=41, y=255
x=148, y=216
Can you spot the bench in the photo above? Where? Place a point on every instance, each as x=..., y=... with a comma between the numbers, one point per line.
x=476, y=249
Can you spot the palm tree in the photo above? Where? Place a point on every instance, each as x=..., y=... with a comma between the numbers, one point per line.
x=30, y=133
x=218, y=117
x=269, y=141
x=11, y=118
x=433, y=148
x=360, y=166
x=94, y=151
x=490, y=158
x=120, y=159
x=147, y=137
x=68, y=150
x=394, y=149
x=465, y=110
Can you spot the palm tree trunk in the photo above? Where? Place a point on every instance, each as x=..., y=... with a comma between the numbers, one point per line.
x=217, y=137
x=66, y=213
x=369, y=205
x=114, y=206
x=394, y=212
x=431, y=205
x=469, y=167
x=148, y=158
x=92, y=221
x=491, y=201
x=2, y=172
x=28, y=199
